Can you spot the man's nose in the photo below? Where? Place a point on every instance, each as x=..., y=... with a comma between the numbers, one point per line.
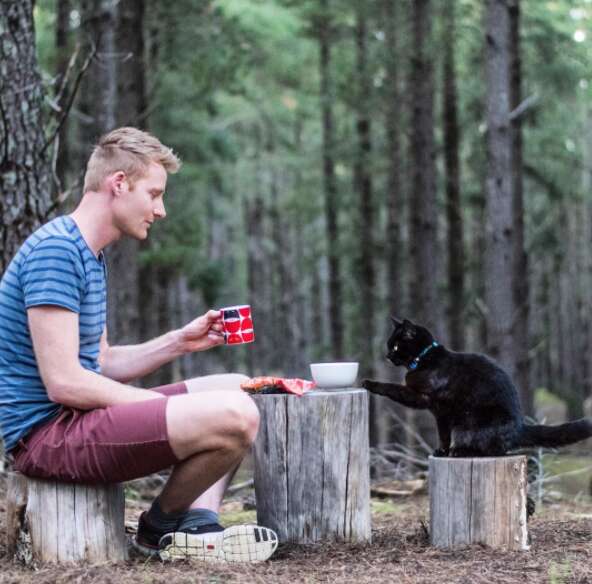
x=159, y=211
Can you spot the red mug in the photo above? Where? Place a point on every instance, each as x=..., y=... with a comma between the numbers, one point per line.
x=237, y=324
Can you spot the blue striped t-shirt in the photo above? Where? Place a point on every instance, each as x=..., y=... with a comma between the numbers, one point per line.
x=53, y=266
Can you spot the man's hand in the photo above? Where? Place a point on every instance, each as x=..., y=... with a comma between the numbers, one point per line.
x=202, y=333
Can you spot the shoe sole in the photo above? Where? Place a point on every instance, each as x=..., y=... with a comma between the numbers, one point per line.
x=239, y=543
x=144, y=550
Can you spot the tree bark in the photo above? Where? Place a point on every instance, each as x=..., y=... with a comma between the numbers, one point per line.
x=98, y=99
x=325, y=497
x=366, y=271
x=51, y=521
x=113, y=94
x=395, y=201
x=454, y=218
x=478, y=501
x=330, y=182
x=363, y=187
x=124, y=274
x=257, y=284
x=62, y=36
x=422, y=195
x=25, y=175
x=520, y=275
x=283, y=285
x=499, y=296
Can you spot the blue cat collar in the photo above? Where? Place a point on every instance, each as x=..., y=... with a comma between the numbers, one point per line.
x=413, y=365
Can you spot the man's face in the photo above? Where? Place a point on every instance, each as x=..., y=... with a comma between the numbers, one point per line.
x=136, y=209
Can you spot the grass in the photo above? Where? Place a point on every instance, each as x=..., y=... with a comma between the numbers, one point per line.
x=575, y=483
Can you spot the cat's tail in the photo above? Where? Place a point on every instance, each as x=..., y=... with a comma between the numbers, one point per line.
x=553, y=436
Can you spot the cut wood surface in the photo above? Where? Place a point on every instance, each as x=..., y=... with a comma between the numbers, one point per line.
x=312, y=478
x=50, y=521
x=478, y=501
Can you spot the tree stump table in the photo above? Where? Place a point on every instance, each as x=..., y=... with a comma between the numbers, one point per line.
x=478, y=501
x=51, y=521
x=312, y=477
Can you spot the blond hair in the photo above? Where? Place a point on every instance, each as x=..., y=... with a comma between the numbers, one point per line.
x=128, y=150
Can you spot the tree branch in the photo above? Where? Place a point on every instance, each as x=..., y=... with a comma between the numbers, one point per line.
x=81, y=73
x=523, y=107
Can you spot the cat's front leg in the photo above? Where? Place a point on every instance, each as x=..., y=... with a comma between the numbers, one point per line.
x=397, y=392
x=443, y=437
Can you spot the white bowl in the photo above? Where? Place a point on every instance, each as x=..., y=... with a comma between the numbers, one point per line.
x=328, y=375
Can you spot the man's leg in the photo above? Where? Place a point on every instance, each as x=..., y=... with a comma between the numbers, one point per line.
x=212, y=498
x=209, y=432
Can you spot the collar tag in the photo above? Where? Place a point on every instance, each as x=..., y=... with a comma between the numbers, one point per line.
x=413, y=365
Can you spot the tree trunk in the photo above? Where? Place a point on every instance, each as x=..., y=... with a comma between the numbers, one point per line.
x=131, y=69
x=302, y=310
x=25, y=176
x=478, y=501
x=257, y=284
x=330, y=183
x=113, y=94
x=99, y=87
x=395, y=201
x=366, y=223
x=454, y=218
x=62, y=36
x=325, y=497
x=499, y=296
x=363, y=187
x=520, y=276
x=50, y=521
x=586, y=186
x=283, y=333
x=422, y=195
x=124, y=277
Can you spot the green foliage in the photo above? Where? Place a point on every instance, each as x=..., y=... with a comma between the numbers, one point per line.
x=234, y=88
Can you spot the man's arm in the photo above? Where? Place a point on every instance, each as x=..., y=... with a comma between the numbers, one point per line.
x=55, y=335
x=127, y=362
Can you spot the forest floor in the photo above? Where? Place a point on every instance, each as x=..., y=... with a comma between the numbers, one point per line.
x=561, y=553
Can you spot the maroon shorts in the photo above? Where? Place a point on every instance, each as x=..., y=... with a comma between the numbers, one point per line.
x=106, y=445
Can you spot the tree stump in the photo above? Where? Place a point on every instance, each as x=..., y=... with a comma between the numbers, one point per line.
x=478, y=501
x=51, y=521
x=312, y=476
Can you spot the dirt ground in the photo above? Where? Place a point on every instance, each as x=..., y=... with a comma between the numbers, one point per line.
x=561, y=552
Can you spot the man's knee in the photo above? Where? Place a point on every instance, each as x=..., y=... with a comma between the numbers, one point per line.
x=243, y=418
x=224, y=420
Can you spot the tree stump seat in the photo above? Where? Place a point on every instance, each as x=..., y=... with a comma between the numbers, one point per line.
x=312, y=475
x=51, y=521
x=478, y=501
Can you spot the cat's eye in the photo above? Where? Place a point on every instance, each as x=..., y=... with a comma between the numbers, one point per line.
x=396, y=348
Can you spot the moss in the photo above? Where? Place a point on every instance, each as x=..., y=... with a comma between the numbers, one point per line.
x=238, y=517
x=378, y=506
x=543, y=397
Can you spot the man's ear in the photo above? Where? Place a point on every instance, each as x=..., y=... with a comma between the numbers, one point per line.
x=118, y=182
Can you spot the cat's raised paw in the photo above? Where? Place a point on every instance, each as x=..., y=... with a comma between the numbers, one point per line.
x=440, y=453
x=368, y=384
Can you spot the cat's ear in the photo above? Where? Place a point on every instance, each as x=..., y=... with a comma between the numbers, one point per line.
x=396, y=323
x=408, y=329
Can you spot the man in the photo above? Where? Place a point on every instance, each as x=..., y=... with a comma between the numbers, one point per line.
x=65, y=409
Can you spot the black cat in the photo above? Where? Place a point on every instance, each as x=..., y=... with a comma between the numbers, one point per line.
x=472, y=398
